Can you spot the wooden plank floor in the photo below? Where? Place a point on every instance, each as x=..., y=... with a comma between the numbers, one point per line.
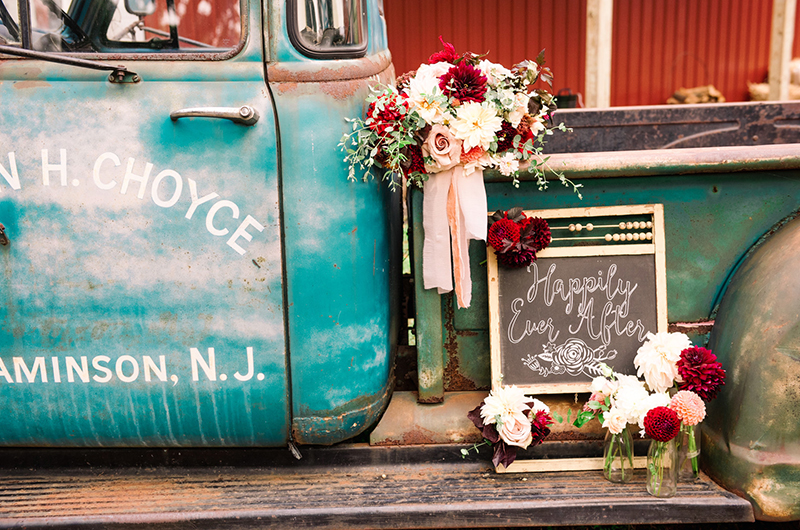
x=387, y=492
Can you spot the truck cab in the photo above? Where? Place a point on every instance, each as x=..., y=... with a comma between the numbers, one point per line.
x=184, y=259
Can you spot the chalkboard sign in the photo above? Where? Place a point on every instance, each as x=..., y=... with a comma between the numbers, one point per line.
x=590, y=297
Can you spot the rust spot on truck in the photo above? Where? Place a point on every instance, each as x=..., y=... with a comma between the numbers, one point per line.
x=454, y=380
x=356, y=69
x=701, y=327
x=22, y=85
x=415, y=436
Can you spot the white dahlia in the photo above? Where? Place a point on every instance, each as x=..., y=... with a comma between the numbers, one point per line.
x=656, y=359
x=508, y=404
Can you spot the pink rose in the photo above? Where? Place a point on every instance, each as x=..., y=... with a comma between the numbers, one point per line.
x=443, y=148
x=516, y=432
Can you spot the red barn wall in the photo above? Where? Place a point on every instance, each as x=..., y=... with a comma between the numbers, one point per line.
x=658, y=45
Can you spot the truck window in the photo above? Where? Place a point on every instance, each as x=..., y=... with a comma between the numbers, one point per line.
x=328, y=29
x=123, y=26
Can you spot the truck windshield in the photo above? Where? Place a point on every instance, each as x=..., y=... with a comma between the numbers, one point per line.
x=114, y=26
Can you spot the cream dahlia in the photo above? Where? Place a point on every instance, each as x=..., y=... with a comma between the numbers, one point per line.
x=476, y=124
x=507, y=403
x=656, y=359
x=629, y=401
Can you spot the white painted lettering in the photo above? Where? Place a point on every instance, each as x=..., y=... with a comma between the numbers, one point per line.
x=4, y=372
x=103, y=369
x=47, y=167
x=11, y=178
x=242, y=232
x=195, y=201
x=30, y=374
x=159, y=371
x=56, y=370
x=96, y=171
x=131, y=176
x=175, y=195
x=208, y=367
x=249, y=374
x=73, y=368
x=121, y=374
x=213, y=211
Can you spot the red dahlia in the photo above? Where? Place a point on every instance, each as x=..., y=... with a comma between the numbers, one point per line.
x=464, y=82
x=536, y=233
x=516, y=257
x=502, y=234
x=447, y=55
x=662, y=424
x=701, y=372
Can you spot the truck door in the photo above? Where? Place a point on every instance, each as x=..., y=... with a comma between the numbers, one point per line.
x=141, y=282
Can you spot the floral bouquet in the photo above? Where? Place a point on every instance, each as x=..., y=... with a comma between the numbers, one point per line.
x=516, y=238
x=669, y=362
x=458, y=109
x=439, y=128
x=616, y=401
x=510, y=420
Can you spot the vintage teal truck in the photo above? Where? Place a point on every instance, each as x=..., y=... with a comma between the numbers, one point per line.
x=191, y=284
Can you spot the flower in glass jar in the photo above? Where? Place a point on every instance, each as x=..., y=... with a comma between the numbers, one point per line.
x=690, y=408
x=700, y=372
x=441, y=150
x=629, y=400
x=615, y=421
x=662, y=424
x=603, y=386
x=476, y=125
x=656, y=399
x=656, y=359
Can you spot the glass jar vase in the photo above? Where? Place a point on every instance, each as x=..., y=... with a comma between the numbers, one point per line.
x=618, y=456
x=689, y=453
x=662, y=468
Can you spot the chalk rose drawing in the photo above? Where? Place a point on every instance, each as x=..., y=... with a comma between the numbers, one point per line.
x=574, y=357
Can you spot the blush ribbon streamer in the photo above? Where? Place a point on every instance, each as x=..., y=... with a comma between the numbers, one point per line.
x=453, y=212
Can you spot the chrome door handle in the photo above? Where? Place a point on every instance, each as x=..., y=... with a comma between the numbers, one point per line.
x=244, y=115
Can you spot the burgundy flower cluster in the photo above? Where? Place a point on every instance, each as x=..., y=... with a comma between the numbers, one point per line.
x=516, y=238
x=700, y=372
x=387, y=117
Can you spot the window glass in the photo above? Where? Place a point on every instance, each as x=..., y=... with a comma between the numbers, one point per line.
x=120, y=26
x=9, y=23
x=329, y=26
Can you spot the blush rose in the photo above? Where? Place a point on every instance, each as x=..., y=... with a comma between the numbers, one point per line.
x=516, y=432
x=441, y=150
